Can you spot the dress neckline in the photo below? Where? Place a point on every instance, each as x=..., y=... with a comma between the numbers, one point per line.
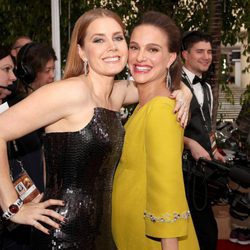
x=96, y=108
x=87, y=125
x=155, y=98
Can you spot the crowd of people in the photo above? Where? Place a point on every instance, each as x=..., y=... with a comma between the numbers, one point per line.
x=102, y=185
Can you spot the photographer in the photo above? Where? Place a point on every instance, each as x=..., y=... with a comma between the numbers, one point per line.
x=240, y=206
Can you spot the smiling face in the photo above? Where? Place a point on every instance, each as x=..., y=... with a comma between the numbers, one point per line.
x=7, y=76
x=104, y=47
x=198, y=58
x=149, y=57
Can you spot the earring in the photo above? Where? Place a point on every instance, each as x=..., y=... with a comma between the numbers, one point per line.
x=85, y=67
x=168, y=80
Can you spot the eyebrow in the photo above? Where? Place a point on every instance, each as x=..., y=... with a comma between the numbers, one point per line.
x=7, y=65
x=203, y=49
x=17, y=47
x=149, y=44
x=102, y=34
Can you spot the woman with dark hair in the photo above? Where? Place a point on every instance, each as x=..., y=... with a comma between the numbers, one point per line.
x=148, y=182
x=7, y=76
x=35, y=68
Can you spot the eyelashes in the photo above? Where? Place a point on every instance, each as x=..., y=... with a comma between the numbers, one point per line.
x=150, y=50
x=7, y=69
x=102, y=40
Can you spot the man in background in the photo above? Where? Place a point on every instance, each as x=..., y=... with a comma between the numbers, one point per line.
x=18, y=44
x=197, y=55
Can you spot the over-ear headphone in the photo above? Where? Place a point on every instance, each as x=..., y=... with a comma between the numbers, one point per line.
x=24, y=70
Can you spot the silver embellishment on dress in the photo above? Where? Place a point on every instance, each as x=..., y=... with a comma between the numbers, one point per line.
x=167, y=218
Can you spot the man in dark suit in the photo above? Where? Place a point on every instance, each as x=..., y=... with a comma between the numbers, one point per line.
x=197, y=55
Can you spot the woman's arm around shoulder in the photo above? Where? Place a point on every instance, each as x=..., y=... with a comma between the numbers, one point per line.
x=128, y=94
x=126, y=91
x=43, y=107
x=183, y=98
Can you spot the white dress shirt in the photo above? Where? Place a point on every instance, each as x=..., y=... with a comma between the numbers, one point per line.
x=198, y=90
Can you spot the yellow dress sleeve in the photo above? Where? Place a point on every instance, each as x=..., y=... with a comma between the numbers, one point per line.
x=166, y=211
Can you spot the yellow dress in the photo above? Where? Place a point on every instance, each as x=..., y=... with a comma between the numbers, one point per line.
x=148, y=194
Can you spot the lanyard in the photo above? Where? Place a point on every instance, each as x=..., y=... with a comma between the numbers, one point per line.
x=17, y=159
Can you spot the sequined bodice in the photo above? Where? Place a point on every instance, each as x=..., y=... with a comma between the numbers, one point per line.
x=76, y=159
x=80, y=168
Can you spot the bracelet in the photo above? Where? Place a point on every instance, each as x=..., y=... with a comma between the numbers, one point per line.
x=13, y=209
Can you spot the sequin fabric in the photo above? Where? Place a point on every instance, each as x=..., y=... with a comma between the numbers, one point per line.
x=80, y=169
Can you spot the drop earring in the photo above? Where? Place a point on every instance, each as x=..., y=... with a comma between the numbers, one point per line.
x=168, y=80
x=85, y=67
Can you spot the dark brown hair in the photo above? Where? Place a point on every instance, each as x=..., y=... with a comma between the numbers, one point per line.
x=168, y=26
x=192, y=37
x=36, y=56
x=4, y=52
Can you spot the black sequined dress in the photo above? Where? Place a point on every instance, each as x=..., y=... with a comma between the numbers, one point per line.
x=80, y=169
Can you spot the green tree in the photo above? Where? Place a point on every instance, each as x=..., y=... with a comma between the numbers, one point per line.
x=33, y=18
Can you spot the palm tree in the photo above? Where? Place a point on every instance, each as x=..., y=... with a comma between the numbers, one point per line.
x=215, y=28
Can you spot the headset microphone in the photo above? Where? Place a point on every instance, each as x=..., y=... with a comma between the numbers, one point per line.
x=12, y=87
x=25, y=71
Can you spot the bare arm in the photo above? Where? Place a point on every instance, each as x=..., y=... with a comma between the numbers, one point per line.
x=43, y=107
x=196, y=149
x=129, y=91
x=183, y=99
x=169, y=244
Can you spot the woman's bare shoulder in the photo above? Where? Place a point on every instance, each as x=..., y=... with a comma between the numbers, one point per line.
x=71, y=88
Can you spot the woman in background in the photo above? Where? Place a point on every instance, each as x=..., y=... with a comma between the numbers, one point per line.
x=7, y=76
x=35, y=68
